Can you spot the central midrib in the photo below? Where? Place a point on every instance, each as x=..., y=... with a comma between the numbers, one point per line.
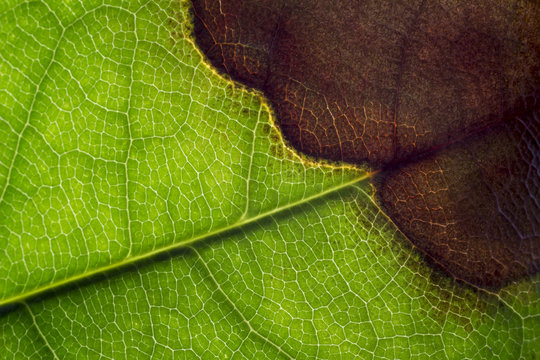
x=183, y=243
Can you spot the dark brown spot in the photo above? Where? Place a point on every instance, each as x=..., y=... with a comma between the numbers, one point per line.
x=473, y=207
x=439, y=94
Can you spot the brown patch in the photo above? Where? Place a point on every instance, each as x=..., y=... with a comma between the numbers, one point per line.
x=418, y=88
x=473, y=207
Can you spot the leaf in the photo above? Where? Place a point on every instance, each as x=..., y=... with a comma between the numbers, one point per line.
x=150, y=209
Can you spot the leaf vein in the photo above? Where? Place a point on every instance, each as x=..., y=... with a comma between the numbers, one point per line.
x=244, y=320
x=39, y=331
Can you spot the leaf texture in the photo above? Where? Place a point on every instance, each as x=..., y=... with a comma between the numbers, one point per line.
x=150, y=209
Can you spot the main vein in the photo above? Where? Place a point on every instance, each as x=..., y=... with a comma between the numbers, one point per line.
x=180, y=244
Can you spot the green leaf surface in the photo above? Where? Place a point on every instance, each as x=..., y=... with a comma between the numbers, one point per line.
x=149, y=208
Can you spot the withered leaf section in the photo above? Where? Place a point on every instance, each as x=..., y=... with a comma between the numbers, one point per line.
x=441, y=95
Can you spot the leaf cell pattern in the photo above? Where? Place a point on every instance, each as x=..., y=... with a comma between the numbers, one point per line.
x=149, y=208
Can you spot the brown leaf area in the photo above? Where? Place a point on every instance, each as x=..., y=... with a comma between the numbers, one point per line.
x=441, y=95
x=473, y=207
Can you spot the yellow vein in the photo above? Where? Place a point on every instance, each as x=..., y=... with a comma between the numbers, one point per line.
x=237, y=310
x=39, y=331
x=184, y=243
